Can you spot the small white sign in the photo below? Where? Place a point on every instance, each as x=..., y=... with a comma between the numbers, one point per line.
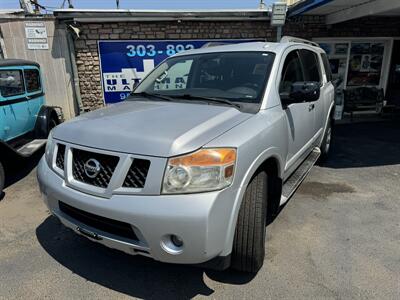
x=35, y=32
x=38, y=46
x=36, y=35
x=278, y=17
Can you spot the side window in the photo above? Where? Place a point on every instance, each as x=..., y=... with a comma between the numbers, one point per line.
x=32, y=80
x=175, y=78
x=312, y=70
x=327, y=67
x=291, y=72
x=11, y=83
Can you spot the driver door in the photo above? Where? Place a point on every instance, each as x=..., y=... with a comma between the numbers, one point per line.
x=299, y=116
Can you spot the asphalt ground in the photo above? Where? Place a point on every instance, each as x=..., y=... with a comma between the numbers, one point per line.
x=337, y=238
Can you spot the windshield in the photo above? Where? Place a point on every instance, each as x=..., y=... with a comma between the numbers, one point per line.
x=239, y=77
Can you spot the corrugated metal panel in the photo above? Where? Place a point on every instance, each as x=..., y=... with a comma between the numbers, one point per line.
x=55, y=62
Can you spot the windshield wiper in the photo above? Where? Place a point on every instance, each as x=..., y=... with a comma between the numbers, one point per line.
x=151, y=95
x=211, y=99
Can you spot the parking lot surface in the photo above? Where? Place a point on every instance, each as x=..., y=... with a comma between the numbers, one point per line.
x=337, y=238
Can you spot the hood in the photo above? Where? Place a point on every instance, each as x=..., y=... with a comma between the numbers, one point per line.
x=150, y=128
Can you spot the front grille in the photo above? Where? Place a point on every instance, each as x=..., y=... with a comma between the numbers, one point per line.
x=60, y=156
x=115, y=227
x=137, y=174
x=108, y=163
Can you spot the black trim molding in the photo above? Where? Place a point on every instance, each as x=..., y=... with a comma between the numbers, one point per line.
x=21, y=99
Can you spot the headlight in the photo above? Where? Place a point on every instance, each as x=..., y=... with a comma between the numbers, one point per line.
x=201, y=171
x=49, y=150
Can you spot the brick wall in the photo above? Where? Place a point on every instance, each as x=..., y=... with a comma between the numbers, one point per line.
x=87, y=58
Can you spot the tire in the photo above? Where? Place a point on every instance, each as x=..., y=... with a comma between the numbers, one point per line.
x=2, y=179
x=52, y=123
x=326, y=142
x=249, y=242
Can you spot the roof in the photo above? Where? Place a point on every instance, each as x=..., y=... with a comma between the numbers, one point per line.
x=11, y=13
x=342, y=10
x=17, y=62
x=113, y=15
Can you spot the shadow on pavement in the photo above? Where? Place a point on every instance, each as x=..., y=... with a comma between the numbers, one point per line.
x=17, y=170
x=135, y=276
x=365, y=145
x=22, y=168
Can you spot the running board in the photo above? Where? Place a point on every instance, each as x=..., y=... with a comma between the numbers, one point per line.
x=293, y=182
x=31, y=147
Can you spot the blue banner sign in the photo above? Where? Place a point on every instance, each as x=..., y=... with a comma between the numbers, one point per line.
x=125, y=62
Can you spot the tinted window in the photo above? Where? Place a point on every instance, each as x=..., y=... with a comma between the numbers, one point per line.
x=11, y=83
x=291, y=72
x=32, y=80
x=236, y=76
x=327, y=67
x=310, y=65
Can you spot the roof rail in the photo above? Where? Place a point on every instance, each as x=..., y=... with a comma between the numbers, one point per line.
x=288, y=39
x=214, y=44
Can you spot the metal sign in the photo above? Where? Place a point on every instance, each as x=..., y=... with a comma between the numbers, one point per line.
x=124, y=63
x=278, y=14
x=36, y=36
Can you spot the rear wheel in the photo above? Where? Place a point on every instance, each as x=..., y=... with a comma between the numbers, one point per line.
x=2, y=178
x=249, y=243
x=326, y=142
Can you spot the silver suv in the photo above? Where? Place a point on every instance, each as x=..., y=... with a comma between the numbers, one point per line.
x=190, y=167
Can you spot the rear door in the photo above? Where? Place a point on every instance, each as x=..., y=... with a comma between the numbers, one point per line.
x=299, y=116
x=14, y=109
x=313, y=72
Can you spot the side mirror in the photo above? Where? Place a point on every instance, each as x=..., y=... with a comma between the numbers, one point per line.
x=302, y=91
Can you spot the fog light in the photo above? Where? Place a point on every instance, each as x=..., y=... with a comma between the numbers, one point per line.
x=177, y=241
x=172, y=244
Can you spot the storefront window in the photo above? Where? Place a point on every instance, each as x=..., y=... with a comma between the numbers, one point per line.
x=365, y=64
x=356, y=65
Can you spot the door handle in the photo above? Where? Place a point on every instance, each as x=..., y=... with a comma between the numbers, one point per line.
x=311, y=107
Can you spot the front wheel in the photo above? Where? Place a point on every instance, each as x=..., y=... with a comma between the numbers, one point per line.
x=249, y=243
x=2, y=179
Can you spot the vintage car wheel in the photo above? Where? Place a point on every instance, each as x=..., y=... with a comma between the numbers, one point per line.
x=249, y=243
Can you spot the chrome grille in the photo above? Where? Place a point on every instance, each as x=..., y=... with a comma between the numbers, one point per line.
x=137, y=174
x=60, y=156
x=107, y=164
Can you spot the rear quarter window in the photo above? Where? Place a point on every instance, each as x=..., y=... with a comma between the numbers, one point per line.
x=32, y=80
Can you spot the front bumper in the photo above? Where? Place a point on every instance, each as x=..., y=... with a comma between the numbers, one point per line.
x=201, y=220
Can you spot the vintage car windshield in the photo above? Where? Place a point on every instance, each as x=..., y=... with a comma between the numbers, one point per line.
x=239, y=77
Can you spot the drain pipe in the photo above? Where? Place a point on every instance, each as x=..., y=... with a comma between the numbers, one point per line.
x=75, y=77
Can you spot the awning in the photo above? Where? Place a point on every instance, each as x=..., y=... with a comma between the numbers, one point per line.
x=337, y=11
